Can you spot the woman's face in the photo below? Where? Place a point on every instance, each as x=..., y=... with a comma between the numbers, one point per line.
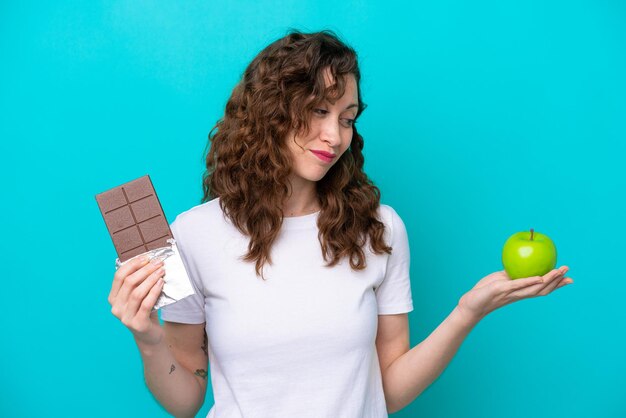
x=330, y=133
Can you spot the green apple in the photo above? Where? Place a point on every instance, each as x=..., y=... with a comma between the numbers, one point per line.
x=528, y=254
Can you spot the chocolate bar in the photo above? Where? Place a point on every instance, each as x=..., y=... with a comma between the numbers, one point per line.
x=134, y=217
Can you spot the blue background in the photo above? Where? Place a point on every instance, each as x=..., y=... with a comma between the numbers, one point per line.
x=485, y=118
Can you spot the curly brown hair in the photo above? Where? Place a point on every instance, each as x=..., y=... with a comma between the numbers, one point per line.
x=248, y=163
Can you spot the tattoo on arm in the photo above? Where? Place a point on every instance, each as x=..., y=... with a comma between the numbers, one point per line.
x=202, y=373
x=172, y=368
x=205, y=345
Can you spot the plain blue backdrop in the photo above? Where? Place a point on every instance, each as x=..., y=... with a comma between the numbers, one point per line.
x=485, y=118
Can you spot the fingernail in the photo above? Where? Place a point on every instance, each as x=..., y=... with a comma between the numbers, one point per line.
x=155, y=261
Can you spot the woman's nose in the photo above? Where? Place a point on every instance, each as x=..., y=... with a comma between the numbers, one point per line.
x=330, y=132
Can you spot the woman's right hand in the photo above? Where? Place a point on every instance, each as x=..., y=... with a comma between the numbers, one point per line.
x=136, y=287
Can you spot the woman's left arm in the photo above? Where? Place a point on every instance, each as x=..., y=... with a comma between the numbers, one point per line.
x=414, y=371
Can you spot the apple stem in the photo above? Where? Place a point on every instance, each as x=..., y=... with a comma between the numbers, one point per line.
x=531, y=234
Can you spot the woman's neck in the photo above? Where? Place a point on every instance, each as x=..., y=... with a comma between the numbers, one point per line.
x=302, y=201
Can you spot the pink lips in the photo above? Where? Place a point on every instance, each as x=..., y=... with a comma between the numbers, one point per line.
x=323, y=155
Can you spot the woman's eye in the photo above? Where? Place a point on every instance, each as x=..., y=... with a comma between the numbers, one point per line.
x=346, y=121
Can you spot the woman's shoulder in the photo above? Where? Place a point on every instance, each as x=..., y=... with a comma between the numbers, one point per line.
x=394, y=225
x=202, y=214
x=387, y=214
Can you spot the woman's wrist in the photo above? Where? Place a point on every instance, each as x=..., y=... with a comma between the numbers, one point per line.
x=466, y=317
x=148, y=345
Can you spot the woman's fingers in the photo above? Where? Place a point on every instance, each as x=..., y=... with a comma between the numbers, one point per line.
x=541, y=285
x=137, y=298
x=553, y=281
x=560, y=282
x=129, y=283
x=145, y=310
x=564, y=282
x=519, y=284
x=122, y=272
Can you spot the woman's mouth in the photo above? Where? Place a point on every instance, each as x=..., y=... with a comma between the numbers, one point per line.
x=324, y=156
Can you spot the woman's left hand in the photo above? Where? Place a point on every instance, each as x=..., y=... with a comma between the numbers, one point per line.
x=497, y=290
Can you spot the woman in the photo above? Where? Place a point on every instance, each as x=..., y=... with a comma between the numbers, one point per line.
x=301, y=274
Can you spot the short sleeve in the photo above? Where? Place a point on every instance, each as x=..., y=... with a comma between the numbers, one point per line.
x=394, y=293
x=189, y=310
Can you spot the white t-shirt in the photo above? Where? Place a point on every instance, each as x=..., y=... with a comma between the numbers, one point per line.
x=302, y=343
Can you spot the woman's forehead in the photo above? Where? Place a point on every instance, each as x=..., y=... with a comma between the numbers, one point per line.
x=350, y=88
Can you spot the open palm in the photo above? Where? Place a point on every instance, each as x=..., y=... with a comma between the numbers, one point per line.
x=498, y=289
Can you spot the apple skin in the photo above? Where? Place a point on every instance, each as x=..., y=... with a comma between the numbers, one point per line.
x=528, y=254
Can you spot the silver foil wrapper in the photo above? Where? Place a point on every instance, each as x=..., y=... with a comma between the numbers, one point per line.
x=177, y=284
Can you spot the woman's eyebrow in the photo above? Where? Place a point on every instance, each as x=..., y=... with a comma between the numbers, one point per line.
x=351, y=106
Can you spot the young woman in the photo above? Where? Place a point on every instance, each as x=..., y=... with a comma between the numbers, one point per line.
x=301, y=274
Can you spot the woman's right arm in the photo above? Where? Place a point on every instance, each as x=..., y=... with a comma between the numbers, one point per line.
x=174, y=356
